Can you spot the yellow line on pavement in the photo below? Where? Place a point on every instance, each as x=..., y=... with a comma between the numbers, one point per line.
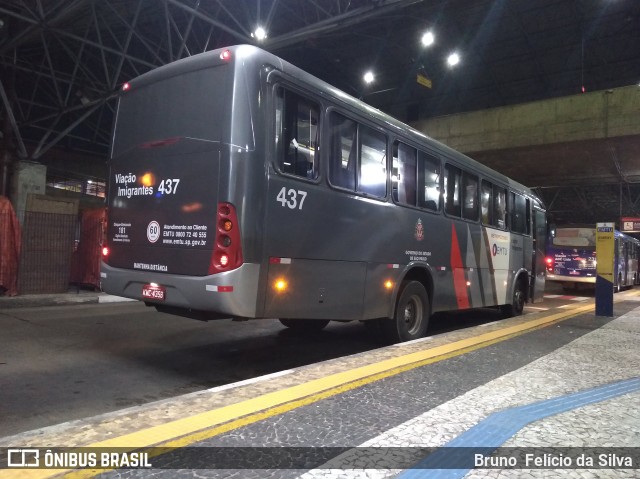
x=201, y=426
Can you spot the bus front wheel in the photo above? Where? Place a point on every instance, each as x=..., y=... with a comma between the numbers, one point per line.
x=411, y=318
x=304, y=324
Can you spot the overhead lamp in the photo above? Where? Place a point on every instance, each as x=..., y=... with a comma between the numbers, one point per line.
x=259, y=34
x=368, y=77
x=453, y=59
x=82, y=96
x=428, y=38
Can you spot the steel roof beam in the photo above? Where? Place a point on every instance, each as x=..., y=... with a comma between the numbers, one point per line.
x=38, y=24
x=42, y=148
x=212, y=21
x=22, y=151
x=337, y=22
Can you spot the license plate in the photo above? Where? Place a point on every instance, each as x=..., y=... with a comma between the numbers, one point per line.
x=150, y=291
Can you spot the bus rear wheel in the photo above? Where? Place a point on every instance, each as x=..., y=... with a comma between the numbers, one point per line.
x=304, y=324
x=411, y=318
x=517, y=302
x=618, y=285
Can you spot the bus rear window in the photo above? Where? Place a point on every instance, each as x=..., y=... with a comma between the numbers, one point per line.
x=191, y=105
x=575, y=237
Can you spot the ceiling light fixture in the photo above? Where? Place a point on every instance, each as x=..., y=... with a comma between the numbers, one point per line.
x=259, y=34
x=368, y=77
x=453, y=59
x=427, y=39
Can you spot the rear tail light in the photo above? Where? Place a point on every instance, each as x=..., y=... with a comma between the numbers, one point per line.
x=104, y=250
x=549, y=262
x=227, y=251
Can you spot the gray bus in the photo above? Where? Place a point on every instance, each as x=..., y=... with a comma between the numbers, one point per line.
x=242, y=187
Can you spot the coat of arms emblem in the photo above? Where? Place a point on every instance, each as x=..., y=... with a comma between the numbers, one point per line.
x=419, y=235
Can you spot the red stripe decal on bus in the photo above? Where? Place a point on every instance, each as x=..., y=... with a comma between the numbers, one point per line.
x=459, y=281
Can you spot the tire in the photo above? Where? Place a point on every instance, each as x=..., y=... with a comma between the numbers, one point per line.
x=411, y=318
x=517, y=302
x=304, y=324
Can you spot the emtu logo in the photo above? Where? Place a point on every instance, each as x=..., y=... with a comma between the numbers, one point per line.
x=499, y=250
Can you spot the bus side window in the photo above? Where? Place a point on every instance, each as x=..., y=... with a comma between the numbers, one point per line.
x=403, y=177
x=296, y=134
x=485, y=202
x=499, y=207
x=342, y=164
x=452, y=178
x=518, y=213
x=470, y=200
x=428, y=181
x=373, y=162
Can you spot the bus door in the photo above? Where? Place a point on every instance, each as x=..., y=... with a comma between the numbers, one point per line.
x=538, y=267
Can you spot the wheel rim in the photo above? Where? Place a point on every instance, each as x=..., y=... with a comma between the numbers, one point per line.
x=413, y=313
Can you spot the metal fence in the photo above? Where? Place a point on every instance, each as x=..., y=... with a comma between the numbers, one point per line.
x=56, y=251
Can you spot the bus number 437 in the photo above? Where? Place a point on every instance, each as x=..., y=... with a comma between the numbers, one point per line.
x=169, y=186
x=291, y=198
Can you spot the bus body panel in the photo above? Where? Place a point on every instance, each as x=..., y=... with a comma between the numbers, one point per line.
x=162, y=215
x=626, y=250
x=571, y=249
x=193, y=293
x=207, y=151
x=474, y=265
x=316, y=289
x=538, y=260
x=572, y=252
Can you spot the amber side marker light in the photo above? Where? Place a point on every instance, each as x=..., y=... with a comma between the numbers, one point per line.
x=280, y=285
x=388, y=284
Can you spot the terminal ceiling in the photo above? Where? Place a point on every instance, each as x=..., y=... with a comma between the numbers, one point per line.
x=61, y=62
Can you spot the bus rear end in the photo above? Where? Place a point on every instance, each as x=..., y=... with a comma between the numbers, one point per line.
x=571, y=255
x=174, y=237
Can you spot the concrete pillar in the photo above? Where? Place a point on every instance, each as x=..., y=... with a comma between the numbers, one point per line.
x=27, y=177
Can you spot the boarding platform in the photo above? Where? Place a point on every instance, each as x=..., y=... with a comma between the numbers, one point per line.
x=553, y=393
